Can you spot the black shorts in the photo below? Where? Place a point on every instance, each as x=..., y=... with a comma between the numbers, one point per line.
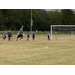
x=20, y=35
x=48, y=37
x=28, y=36
x=9, y=36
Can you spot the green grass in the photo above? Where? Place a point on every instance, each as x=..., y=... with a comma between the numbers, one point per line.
x=34, y=52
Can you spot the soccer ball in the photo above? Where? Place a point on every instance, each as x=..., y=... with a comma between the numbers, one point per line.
x=45, y=46
x=28, y=39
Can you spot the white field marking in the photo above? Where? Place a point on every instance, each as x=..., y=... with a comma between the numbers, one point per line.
x=25, y=48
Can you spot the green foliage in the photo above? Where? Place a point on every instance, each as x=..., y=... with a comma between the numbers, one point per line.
x=13, y=19
x=67, y=16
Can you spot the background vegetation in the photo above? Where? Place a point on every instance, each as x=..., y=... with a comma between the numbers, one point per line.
x=13, y=19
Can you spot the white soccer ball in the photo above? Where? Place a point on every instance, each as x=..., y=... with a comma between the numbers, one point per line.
x=45, y=46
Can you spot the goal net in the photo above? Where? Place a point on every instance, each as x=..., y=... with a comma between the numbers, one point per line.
x=62, y=32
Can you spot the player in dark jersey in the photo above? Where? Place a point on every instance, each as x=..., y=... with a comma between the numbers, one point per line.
x=28, y=36
x=33, y=35
x=48, y=35
x=9, y=35
x=18, y=35
x=4, y=36
x=21, y=33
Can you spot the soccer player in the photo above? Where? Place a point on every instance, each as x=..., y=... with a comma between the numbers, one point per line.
x=9, y=35
x=28, y=36
x=4, y=36
x=17, y=35
x=48, y=35
x=21, y=33
x=33, y=35
x=20, y=36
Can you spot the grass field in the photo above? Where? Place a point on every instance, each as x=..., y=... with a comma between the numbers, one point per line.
x=37, y=52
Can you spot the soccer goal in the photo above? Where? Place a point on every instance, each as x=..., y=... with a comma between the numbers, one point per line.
x=62, y=32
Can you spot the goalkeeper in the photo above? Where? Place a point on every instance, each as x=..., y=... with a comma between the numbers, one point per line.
x=48, y=35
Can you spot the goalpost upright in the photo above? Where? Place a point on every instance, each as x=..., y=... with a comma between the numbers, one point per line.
x=60, y=26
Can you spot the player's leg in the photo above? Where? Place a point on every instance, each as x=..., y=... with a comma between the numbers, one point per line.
x=33, y=37
x=9, y=37
x=48, y=38
x=27, y=38
x=20, y=39
x=22, y=36
x=5, y=38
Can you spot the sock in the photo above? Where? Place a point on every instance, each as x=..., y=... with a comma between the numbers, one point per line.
x=11, y=39
x=5, y=39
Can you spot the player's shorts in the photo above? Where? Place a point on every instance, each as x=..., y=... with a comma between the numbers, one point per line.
x=48, y=37
x=4, y=37
x=28, y=36
x=20, y=35
x=33, y=36
x=9, y=36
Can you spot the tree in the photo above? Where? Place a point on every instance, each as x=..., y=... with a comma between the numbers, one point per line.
x=67, y=18
x=2, y=21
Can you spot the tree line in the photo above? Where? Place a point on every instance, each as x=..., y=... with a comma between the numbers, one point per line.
x=13, y=19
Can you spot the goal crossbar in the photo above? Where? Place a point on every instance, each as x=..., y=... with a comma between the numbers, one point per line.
x=60, y=26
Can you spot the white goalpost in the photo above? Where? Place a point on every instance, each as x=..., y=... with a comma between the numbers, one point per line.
x=68, y=28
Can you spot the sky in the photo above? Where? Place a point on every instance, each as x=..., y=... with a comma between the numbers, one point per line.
x=48, y=9
x=53, y=9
